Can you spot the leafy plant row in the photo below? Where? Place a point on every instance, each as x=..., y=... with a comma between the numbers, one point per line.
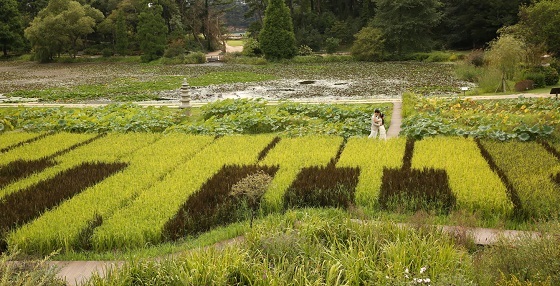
x=291, y=155
x=142, y=220
x=218, y=118
x=21, y=207
x=522, y=119
x=59, y=228
x=213, y=204
x=530, y=169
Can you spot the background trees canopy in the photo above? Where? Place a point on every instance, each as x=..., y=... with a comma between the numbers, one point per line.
x=59, y=28
x=472, y=24
x=11, y=27
x=539, y=23
x=407, y=26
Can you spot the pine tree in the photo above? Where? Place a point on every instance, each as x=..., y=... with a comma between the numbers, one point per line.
x=277, y=38
x=152, y=32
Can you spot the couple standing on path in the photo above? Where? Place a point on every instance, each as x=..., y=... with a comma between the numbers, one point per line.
x=378, y=125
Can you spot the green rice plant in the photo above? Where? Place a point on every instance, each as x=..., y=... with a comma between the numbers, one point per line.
x=26, y=205
x=9, y=140
x=44, y=147
x=529, y=167
x=476, y=187
x=142, y=221
x=371, y=157
x=102, y=149
x=291, y=155
x=142, y=152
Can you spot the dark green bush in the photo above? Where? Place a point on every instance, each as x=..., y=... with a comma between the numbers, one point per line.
x=537, y=77
x=107, y=52
x=332, y=44
x=542, y=75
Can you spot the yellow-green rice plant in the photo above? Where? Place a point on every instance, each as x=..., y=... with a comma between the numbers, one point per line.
x=61, y=226
x=108, y=149
x=292, y=155
x=141, y=222
x=12, y=138
x=530, y=168
x=371, y=156
x=44, y=147
x=476, y=187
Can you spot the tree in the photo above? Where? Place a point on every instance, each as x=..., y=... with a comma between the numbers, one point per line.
x=152, y=32
x=407, y=24
x=121, y=35
x=11, y=29
x=469, y=24
x=368, y=45
x=539, y=24
x=505, y=54
x=60, y=25
x=277, y=36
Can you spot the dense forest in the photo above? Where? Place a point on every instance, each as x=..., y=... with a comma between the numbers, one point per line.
x=49, y=28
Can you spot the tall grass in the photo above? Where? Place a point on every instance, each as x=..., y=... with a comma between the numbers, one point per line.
x=310, y=247
x=32, y=273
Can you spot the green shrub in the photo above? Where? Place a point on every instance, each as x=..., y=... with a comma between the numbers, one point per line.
x=251, y=48
x=107, y=52
x=538, y=78
x=551, y=76
x=475, y=58
x=175, y=49
x=368, y=45
x=195, y=58
x=489, y=80
x=332, y=45
x=542, y=75
x=468, y=72
x=528, y=260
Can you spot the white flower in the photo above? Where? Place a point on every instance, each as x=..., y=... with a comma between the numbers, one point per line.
x=406, y=270
x=427, y=280
x=422, y=270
